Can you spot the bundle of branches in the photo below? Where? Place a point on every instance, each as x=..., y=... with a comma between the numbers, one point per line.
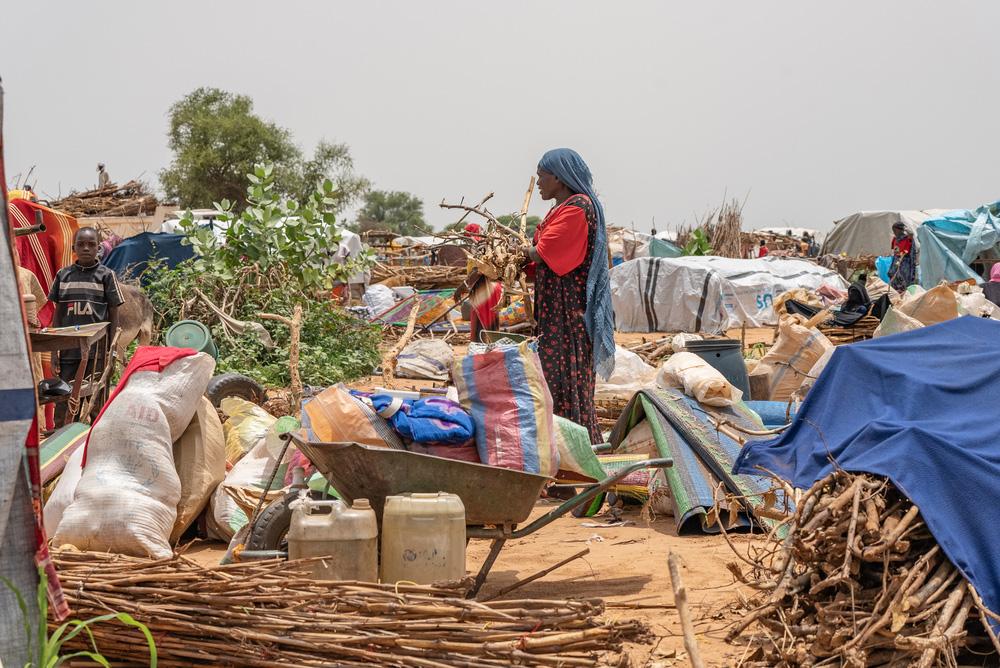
x=420, y=277
x=497, y=251
x=724, y=232
x=859, y=580
x=269, y=613
x=653, y=352
x=130, y=199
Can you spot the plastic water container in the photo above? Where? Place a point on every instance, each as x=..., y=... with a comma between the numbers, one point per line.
x=347, y=535
x=725, y=356
x=423, y=538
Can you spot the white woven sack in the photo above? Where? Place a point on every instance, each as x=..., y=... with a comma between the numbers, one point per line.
x=126, y=501
x=63, y=493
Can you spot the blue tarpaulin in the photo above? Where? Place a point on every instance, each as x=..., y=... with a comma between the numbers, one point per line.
x=918, y=408
x=131, y=257
x=951, y=241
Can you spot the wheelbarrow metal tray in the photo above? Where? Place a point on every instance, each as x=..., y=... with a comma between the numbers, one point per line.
x=491, y=495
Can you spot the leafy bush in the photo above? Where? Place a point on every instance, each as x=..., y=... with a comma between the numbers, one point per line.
x=335, y=345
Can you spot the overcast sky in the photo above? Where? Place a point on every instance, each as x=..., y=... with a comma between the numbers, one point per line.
x=815, y=110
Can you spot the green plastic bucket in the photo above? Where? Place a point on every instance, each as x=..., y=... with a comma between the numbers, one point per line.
x=191, y=334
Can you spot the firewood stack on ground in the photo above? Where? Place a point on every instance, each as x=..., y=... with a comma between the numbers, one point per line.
x=129, y=199
x=858, y=581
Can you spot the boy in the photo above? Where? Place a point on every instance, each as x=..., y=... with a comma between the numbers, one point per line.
x=84, y=293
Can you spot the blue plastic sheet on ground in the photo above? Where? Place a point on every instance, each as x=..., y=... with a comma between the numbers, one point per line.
x=131, y=257
x=919, y=409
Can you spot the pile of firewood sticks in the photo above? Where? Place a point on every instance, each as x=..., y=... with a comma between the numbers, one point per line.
x=858, y=580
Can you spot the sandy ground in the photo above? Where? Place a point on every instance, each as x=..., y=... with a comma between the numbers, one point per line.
x=627, y=566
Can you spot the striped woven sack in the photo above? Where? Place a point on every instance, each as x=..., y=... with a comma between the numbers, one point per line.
x=505, y=392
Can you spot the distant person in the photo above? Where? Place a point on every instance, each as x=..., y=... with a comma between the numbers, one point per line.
x=103, y=180
x=763, y=250
x=903, y=270
x=992, y=288
x=84, y=293
x=813, y=246
x=858, y=300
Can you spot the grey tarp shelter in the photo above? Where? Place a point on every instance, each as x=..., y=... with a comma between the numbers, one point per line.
x=870, y=232
x=17, y=408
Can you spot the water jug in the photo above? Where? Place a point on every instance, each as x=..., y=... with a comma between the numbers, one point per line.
x=348, y=535
x=423, y=538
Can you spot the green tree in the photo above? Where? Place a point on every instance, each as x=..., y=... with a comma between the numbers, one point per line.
x=216, y=139
x=394, y=211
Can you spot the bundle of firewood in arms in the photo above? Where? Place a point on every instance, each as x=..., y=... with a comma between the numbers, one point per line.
x=497, y=250
x=858, y=580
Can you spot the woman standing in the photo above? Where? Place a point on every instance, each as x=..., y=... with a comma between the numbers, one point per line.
x=572, y=288
x=903, y=270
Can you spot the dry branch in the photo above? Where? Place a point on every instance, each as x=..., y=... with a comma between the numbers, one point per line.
x=860, y=581
x=269, y=613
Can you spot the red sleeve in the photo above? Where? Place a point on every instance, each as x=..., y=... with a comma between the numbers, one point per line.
x=562, y=240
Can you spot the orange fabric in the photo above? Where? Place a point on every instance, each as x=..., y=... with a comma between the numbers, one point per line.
x=561, y=239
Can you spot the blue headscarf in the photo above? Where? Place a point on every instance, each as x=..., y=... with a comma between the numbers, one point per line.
x=566, y=165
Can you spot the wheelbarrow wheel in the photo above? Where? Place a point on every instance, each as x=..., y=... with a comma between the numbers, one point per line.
x=270, y=531
x=234, y=385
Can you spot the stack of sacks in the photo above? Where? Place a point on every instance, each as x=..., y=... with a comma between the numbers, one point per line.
x=698, y=379
x=246, y=432
x=126, y=499
x=918, y=308
x=789, y=361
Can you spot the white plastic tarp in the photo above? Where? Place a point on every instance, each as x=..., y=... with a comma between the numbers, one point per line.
x=665, y=295
x=707, y=294
x=754, y=284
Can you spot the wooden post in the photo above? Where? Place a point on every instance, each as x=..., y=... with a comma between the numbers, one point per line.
x=524, y=207
x=295, y=328
x=680, y=601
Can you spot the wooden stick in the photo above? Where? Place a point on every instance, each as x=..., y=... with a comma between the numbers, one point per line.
x=524, y=207
x=468, y=211
x=389, y=360
x=295, y=328
x=680, y=600
x=531, y=578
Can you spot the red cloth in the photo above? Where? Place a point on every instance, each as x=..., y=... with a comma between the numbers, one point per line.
x=43, y=253
x=904, y=245
x=561, y=239
x=763, y=251
x=146, y=358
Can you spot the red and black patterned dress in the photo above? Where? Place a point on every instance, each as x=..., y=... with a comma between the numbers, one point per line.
x=565, y=243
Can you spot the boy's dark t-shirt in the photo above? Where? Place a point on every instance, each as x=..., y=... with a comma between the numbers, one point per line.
x=82, y=296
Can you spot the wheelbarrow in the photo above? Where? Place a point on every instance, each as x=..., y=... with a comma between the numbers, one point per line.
x=496, y=500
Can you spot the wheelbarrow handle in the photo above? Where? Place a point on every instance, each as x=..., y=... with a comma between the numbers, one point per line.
x=567, y=506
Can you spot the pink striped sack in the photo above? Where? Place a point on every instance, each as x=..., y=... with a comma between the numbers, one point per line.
x=505, y=392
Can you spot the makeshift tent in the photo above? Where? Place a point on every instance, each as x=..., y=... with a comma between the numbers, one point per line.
x=913, y=407
x=686, y=294
x=869, y=232
x=663, y=248
x=666, y=295
x=949, y=243
x=132, y=256
x=702, y=455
